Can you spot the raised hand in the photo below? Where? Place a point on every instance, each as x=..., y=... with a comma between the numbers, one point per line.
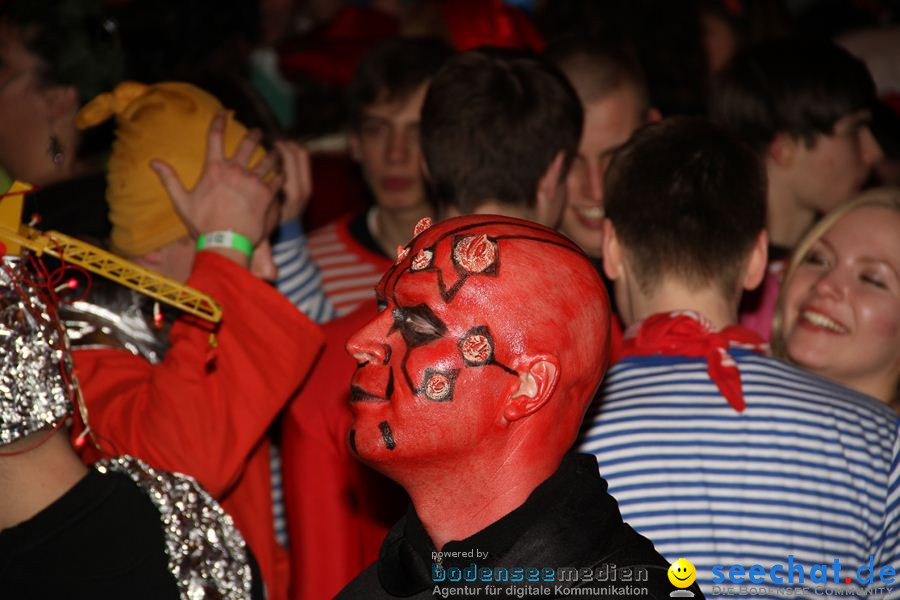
x=228, y=196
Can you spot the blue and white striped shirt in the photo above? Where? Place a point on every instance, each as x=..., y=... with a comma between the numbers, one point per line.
x=299, y=279
x=808, y=469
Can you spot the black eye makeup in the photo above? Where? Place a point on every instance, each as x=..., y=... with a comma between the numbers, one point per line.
x=417, y=324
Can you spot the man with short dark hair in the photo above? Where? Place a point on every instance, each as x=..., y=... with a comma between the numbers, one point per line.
x=613, y=91
x=499, y=131
x=804, y=107
x=385, y=100
x=719, y=453
x=338, y=500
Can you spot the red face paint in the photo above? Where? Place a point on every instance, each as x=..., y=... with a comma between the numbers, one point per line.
x=466, y=304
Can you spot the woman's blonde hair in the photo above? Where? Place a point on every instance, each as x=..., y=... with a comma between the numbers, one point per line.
x=885, y=197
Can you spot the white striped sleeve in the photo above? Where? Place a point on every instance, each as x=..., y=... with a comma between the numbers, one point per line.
x=299, y=279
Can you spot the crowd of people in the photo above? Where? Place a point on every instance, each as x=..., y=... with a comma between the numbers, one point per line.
x=537, y=286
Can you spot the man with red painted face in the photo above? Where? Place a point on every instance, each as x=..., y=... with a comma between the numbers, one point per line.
x=340, y=510
x=471, y=384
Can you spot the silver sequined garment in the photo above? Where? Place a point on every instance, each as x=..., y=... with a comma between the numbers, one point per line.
x=207, y=554
x=113, y=316
x=35, y=368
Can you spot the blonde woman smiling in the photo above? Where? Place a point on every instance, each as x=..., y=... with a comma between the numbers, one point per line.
x=839, y=311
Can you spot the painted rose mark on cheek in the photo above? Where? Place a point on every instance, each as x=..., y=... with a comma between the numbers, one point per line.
x=387, y=435
x=438, y=387
x=477, y=346
x=477, y=349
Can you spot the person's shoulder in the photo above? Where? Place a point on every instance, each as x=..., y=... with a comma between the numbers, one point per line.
x=635, y=569
x=773, y=390
x=766, y=374
x=364, y=586
x=102, y=538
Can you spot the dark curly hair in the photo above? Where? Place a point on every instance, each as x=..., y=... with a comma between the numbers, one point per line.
x=75, y=42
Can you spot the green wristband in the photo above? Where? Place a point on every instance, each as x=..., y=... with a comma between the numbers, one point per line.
x=225, y=239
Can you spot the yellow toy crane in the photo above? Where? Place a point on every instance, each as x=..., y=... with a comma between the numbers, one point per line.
x=16, y=236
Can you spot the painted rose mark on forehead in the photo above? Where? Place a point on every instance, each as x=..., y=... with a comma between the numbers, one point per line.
x=423, y=224
x=475, y=254
x=395, y=271
x=422, y=260
x=471, y=255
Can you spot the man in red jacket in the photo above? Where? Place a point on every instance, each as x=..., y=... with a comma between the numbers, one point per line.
x=205, y=407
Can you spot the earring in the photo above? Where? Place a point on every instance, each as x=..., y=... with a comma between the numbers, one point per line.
x=55, y=150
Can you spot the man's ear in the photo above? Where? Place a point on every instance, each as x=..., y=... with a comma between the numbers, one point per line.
x=550, y=202
x=612, y=252
x=536, y=385
x=782, y=150
x=354, y=146
x=62, y=100
x=757, y=262
x=653, y=115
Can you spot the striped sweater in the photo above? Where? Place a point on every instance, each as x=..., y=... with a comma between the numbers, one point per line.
x=809, y=469
x=349, y=269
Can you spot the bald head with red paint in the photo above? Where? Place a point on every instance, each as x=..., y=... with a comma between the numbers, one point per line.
x=490, y=342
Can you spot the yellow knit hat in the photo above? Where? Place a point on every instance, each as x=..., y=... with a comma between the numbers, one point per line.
x=168, y=121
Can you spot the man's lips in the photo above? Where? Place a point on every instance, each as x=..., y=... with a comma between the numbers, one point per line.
x=359, y=395
x=397, y=184
x=589, y=216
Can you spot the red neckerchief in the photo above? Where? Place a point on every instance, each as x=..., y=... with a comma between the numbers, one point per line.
x=685, y=333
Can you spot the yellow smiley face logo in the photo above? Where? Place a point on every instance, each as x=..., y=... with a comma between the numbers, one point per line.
x=682, y=573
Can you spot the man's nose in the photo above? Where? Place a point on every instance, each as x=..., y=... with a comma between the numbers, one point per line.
x=398, y=147
x=369, y=345
x=871, y=149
